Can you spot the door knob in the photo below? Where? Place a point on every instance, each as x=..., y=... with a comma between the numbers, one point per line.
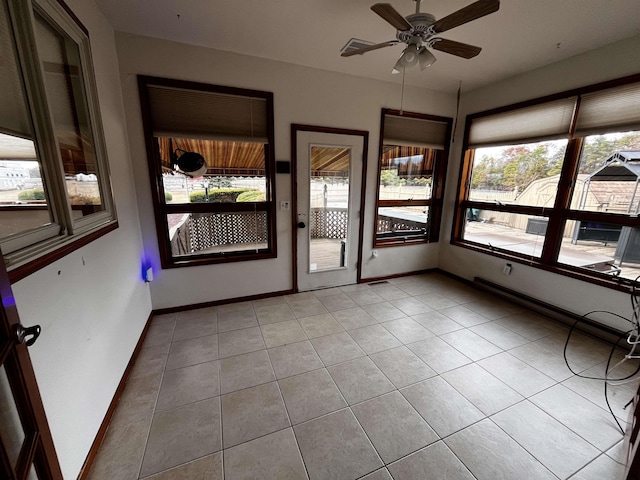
x=301, y=225
x=23, y=334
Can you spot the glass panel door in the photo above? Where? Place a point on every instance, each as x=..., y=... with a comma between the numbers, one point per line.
x=328, y=207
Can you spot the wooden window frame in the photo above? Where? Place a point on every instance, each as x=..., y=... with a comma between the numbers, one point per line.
x=439, y=175
x=558, y=214
x=162, y=208
x=37, y=249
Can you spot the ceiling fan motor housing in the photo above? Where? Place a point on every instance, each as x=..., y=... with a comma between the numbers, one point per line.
x=420, y=23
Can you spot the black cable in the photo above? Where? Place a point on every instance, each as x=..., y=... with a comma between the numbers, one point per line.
x=634, y=302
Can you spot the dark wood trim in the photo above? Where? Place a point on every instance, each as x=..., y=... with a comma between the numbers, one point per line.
x=439, y=179
x=161, y=208
x=294, y=206
x=22, y=271
x=214, y=303
x=97, y=442
x=295, y=128
x=397, y=275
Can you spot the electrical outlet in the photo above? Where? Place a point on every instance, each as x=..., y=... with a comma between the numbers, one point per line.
x=507, y=269
x=284, y=204
x=374, y=253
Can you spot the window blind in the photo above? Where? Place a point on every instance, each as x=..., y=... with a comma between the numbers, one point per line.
x=612, y=110
x=417, y=132
x=14, y=119
x=178, y=112
x=545, y=121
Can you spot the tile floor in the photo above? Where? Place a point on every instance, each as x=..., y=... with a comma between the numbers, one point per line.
x=420, y=377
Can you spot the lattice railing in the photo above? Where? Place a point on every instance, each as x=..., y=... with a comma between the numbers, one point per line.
x=329, y=223
x=392, y=224
x=207, y=230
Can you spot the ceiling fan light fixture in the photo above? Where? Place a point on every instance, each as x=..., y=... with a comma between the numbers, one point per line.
x=409, y=56
x=425, y=58
x=398, y=67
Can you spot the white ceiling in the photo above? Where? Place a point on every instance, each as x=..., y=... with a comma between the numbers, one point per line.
x=522, y=35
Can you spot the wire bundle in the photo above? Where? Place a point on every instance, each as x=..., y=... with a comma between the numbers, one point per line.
x=633, y=339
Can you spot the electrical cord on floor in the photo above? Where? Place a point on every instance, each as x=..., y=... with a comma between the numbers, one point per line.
x=633, y=339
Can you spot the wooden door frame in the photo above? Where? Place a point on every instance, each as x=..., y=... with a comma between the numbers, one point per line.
x=40, y=450
x=295, y=128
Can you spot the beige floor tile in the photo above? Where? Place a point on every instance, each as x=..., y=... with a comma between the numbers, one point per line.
x=244, y=371
x=236, y=319
x=550, y=364
x=374, y=338
x=188, y=384
x=193, y=351
x=336, y=348
x=195, y=326
x=252, y=413
x=360, y=380
x=593, y=390
x=482, y=389
x=601, y=468
x=591, y=422
x=237, y=342
x=310, y=395
x=206, y=468
x=274, y=313
x=473, y=346
x=308, y=308
x=493, y=308
x=266, y=302
x=407, y=330
x=365, y=297
x=282, y=333
x=121, y=452
x=523, y=378
x=436, y=300
x=159, y=334
x=413, y=288
x=402, y=366
x=320, y=325
x=164, y=318
x=444, y=409
x=618, y=453
x=527, y=325
x=183, y=434
x=327, y=292
x=393, y=426
x=137, y=401
x=206, y=312
x=463, y=315
x=389, y=292
x=150, y=362
x=432, y=463
x=437, y=323
x=499, y=335
x=438, y=354
x=274, y=456
x=558, y=448
x=294, y=358
x=337, y=302
x=335, y=447
x=410, y=306
x=489, y=453
x=354, y=318
x=382, y=474
x=383, y=311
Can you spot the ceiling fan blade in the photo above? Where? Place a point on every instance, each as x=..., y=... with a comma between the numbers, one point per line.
x=470, y=12
x=459, y=49
x=391, y=15
x=362, y=50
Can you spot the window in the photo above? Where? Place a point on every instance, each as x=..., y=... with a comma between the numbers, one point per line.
x=220, y=208
x=413, y=153
x=555, y=182
x=54, y=181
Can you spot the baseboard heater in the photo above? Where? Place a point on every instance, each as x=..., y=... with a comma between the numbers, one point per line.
x=554, y=312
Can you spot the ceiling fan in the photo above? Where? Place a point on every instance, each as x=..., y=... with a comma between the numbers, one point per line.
x=418, y=31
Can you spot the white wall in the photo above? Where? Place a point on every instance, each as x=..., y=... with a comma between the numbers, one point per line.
x=92, y=304
x=609, y=62
x=301, y=95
